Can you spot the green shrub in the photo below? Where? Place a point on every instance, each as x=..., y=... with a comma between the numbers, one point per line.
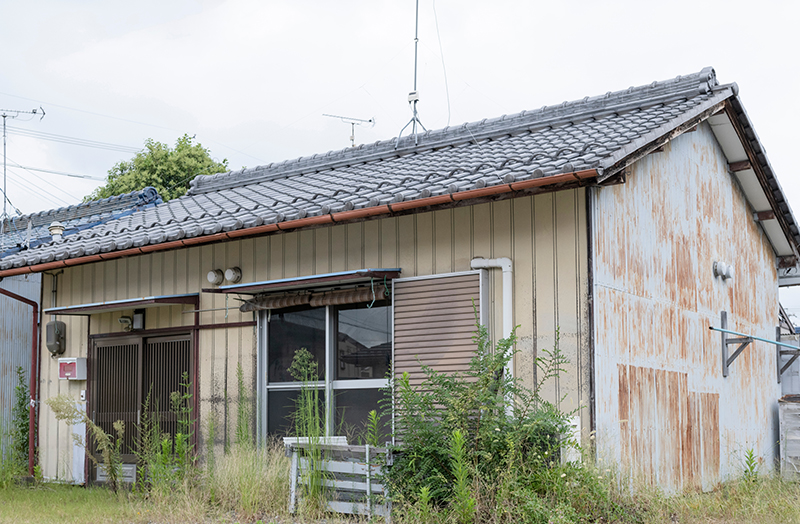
x=480, y=447
x=109, y=446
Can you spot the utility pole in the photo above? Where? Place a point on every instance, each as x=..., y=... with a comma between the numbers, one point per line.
x=6, y=114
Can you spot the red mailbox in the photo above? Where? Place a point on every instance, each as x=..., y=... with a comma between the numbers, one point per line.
x=72, y=368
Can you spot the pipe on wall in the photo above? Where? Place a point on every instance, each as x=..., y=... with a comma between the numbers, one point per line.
x=34, y=378
x=506, y=266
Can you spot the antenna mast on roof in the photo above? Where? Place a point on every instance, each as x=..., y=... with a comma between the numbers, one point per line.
x=353, y=123
x=413, y=96
x=6, y=114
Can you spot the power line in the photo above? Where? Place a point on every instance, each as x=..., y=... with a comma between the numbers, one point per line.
x=72, y=140
x=49, y=183
x=53, y=199
x=62, y=173
x=130, y=121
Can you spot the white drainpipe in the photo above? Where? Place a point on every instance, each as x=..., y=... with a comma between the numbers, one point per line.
x=508, y=298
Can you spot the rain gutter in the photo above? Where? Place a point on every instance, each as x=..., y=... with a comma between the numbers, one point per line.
x=332, y=218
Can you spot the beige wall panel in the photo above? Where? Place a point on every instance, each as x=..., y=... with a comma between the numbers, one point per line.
x=127, y=270
x=443, y=234
x=425, y=247
x=275, y=257
x=181, y=271
x=307, y=255
x=389, y=247
x=437, y=242
x=132, y=276
x=372, y=244
x=291, y=250
x=171, y=273
x=524, y=298
x=156, y=264
x=355, y=245
x=322, y=250
x=98, y=281
x=261, y=259
x=567, y=272
x=406, y=245
x=679, y=212
x=247, y=261
x=144, y=286
x=482, y=247
x=501, y=225
x=544, y=258
x=110, y=288
x=338, y=255
x=462, y=237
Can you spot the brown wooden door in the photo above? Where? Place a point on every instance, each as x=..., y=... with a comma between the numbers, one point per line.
x=125, y=371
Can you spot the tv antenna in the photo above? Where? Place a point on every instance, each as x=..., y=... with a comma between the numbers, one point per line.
x=6, y=114
x=413, y=96
x=353, y=123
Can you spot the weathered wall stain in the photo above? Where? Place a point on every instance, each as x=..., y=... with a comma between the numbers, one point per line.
x=665, y=413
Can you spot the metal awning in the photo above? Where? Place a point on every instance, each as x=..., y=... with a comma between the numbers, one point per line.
x=310, y=281
x=121, y=305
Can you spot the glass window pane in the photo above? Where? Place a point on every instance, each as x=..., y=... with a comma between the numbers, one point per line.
x=290, y=330
x=363, y=342
x=352, y=408
x=281, y=407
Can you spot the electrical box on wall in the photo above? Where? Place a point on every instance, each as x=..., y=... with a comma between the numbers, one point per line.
x=55, y=332
x=72, y=368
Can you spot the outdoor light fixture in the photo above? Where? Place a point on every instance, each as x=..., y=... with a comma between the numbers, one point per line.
x=233, y=275
x=56, y=230
x=723, y=271
x=215, y=276
x=127, y=323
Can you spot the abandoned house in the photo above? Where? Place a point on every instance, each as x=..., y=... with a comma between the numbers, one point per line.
x=20, y=296
x=619, y=226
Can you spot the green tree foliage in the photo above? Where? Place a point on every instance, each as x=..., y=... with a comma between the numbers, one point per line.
x=169, y=170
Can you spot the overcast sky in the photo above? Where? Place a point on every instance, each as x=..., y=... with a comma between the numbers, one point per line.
x=252, y=79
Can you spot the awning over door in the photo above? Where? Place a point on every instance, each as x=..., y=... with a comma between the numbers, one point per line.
x=121, y=305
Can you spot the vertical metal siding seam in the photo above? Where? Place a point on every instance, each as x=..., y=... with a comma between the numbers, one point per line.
x=590, y=209
x=534, y=295
x=577, y=302
x=556, y=326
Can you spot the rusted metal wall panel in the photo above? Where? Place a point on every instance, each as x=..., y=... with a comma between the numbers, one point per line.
x=664, y=411
x=544, y=235
x=15, y=342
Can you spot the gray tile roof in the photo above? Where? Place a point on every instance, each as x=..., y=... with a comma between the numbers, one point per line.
x=593, y=133
x=14, y=235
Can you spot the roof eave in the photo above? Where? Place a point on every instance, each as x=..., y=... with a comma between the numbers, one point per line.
x=450, y=199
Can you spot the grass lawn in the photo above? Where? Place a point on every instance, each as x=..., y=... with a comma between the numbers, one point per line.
x=58, y=503
x=767, y=501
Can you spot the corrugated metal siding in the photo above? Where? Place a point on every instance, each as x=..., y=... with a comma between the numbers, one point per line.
x=15, y=341
x=664, y=412
x=545, y=236
x=434, y=322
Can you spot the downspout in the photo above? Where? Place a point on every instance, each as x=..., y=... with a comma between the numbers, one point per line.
x=34, y=378
x=508, y=299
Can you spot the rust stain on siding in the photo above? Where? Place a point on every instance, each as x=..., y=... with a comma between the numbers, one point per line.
x=710, y=413
x=624, y=422
x=669, y=435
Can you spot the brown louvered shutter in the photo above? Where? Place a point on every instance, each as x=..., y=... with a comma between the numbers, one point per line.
x=434, y=322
